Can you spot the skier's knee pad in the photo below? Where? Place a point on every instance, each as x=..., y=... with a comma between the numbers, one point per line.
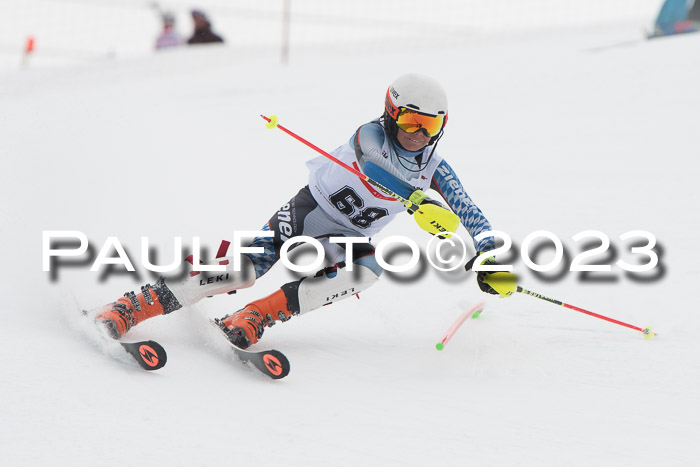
x=329, y=285
x=200, y=284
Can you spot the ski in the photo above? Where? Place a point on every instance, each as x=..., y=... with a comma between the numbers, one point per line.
x=150, y=355
x=271, y=363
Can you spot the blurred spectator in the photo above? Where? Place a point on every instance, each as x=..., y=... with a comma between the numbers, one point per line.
x=202, y=30
x=169, y=37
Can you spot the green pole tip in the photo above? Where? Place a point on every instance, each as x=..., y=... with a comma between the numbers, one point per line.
x=439, y=346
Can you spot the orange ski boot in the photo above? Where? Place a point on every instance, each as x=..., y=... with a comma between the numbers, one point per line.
x=131, y=309
x=246, y=326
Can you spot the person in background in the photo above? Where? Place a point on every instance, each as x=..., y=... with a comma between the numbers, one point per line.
x=202, y=30
x=169, y=37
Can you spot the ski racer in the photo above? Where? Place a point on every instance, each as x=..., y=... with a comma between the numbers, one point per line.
x=396, y=150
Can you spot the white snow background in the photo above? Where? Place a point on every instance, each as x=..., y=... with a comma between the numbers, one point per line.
x=572, y=123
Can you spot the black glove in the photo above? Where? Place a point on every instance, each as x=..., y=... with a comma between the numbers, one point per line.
x=481, y=275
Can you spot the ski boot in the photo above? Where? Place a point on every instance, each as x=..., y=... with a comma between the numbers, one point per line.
x=244, y=327
x=131, y=309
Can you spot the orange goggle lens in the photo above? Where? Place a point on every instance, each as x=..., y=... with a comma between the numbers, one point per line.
x=411, y=121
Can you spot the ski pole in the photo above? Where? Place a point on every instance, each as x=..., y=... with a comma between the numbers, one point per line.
x=272, y=122
x=648, y=333
x=430, y=217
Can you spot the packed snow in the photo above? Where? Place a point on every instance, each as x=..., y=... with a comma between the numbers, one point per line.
x=560, y=129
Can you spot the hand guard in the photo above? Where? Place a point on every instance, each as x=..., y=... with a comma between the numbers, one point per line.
x=417, y=198
x=432, y=216
x=494, y=282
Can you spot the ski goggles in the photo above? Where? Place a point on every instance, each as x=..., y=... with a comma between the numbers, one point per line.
x=411, y=121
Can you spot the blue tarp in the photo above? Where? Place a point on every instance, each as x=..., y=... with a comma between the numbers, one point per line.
x=677, y=17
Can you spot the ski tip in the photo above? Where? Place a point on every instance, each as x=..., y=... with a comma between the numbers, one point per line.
x=150, y=355
x=272, y=363
x=275, y=364
x=648, y=333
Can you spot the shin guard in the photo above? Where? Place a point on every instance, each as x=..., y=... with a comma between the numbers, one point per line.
x=199, y=285
x=328, y=286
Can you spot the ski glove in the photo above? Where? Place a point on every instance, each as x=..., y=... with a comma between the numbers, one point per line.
x=493, y=282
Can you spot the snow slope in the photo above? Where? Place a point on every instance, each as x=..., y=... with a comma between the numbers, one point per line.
x=547, y=131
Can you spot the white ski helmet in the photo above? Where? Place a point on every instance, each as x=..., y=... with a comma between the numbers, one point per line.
x=416, y=92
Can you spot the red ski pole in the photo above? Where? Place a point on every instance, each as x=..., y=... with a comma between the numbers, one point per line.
x=272, y=123
x=648, y=333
